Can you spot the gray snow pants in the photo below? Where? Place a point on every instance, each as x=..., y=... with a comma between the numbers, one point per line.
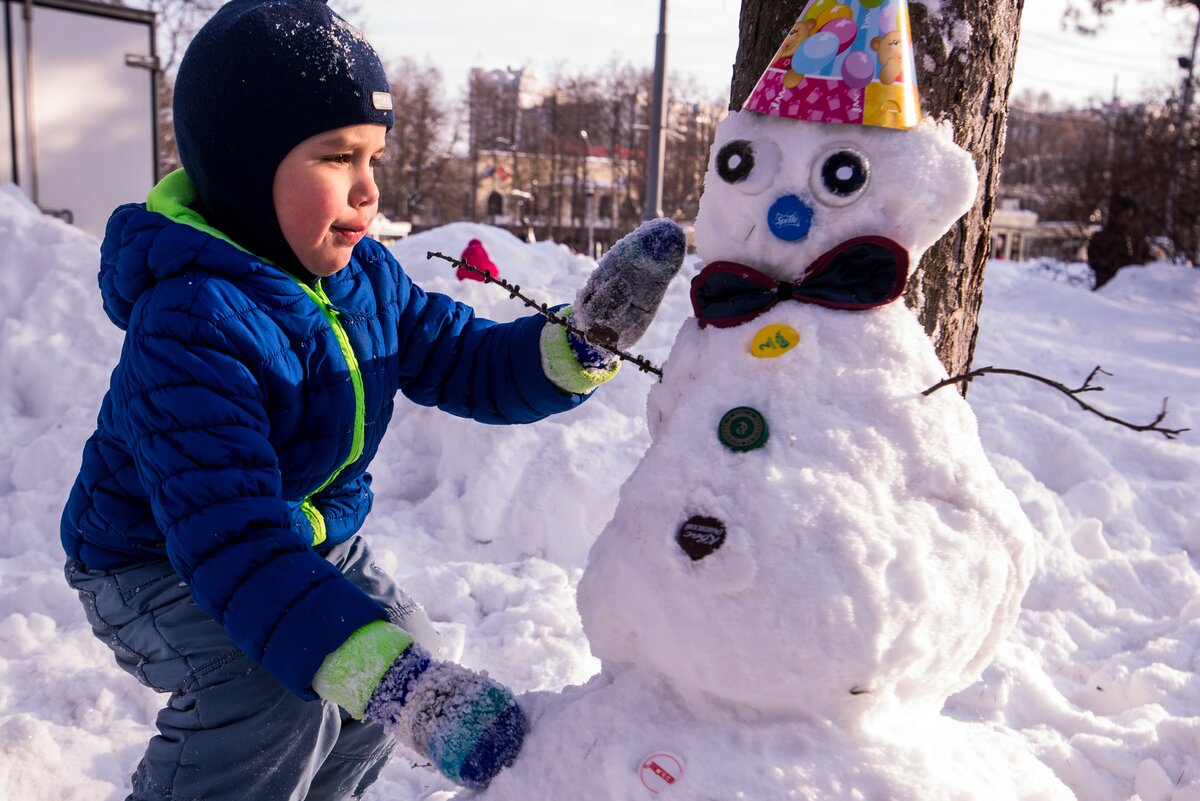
x=229, y=731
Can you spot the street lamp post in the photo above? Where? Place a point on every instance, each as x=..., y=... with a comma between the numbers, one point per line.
x=658, y=121
x=588, y=192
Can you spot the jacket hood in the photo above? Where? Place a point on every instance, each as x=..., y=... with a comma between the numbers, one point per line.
x=145, y=244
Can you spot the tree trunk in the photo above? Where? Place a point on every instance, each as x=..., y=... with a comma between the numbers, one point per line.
x=965, y=51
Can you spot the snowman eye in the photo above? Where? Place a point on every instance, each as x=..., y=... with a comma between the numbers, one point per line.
x=750, y=167
x=839, y=176
x=735, y=161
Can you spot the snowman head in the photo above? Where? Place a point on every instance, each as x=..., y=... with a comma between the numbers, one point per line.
x=830, y=149
x=780, y=194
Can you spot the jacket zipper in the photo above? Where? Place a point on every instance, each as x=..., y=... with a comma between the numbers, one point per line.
x=331, y=314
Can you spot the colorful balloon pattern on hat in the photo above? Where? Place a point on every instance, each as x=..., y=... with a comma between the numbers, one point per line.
x=844, y=61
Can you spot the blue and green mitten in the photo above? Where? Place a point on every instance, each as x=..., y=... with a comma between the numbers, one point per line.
x=468, y=725
x=615, y=306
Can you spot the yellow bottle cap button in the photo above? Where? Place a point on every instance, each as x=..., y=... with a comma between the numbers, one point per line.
x=774, y=341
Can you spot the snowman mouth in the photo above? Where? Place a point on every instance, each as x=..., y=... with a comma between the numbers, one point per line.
x=859, y=274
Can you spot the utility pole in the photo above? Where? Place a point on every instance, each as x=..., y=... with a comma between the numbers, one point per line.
x=473, y=89
x=588, y=192
x=1177, y=155
x=30, y=124
x=658, y=121
x=515, y=186
x=1111, y=152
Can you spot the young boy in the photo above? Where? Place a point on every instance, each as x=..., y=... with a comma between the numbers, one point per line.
x=212, y=533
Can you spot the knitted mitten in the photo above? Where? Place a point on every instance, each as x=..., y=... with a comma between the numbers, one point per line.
x=615, y=306
x=466, y=724
x=620, y=298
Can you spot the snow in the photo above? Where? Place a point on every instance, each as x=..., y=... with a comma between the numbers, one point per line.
x=490, y=528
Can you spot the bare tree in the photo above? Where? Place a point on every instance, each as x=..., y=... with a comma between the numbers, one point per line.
x=691, y=128
x=412, y=176
x=574, y=151
x=1086, y=15
x=627, y=88
x=1067, y=163
x=1177, y=227
x=967, y=49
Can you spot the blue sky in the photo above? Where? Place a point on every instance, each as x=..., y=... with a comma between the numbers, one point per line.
x=1138, y=45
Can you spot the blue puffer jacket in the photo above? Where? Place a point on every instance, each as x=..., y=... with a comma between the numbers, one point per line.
x=239, y=423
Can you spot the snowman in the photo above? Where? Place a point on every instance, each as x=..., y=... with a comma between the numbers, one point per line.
x=812, y=556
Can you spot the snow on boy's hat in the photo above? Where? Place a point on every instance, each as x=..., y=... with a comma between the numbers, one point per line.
x=259, y=78
x=844, y=61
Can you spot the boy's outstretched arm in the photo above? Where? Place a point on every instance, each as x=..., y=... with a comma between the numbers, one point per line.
x=615, y=306
x=466, y=724
x=528, y=369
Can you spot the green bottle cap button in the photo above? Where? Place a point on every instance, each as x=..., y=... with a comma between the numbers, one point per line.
x=743, y=429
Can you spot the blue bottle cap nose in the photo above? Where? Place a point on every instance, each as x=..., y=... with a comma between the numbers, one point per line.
x=790, y=218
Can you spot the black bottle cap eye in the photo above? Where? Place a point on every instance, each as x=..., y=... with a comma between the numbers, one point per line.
x=735, y=161
x=844, y=173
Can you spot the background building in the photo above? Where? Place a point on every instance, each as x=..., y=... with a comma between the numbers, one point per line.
x=78, y=121
x=568, y=162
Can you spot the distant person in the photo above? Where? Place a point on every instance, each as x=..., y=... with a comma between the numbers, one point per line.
x=1119, y=243
x=213, y=533
x=476, y=255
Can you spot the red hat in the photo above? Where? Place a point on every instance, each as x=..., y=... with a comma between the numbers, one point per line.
x=477, y=257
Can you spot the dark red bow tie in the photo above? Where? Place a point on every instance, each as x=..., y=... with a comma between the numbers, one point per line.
x=858, y=274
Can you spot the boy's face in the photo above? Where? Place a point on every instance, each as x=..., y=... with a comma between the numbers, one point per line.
x=325, y=195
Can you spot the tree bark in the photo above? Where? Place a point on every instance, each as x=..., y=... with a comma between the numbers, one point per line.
x=965, y=50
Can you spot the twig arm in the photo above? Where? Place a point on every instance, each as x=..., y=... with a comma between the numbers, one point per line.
x=514, y=292
x=1073, y=394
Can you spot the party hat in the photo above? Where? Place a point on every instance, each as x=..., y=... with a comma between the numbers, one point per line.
x=844, y=61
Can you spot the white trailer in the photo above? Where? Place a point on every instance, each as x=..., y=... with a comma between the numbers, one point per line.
x=79, y=130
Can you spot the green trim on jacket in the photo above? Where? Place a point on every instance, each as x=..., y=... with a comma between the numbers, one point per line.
x=172, y=198
x=318, y=296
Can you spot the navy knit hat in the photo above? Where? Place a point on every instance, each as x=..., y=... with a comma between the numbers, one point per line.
x=259, y=78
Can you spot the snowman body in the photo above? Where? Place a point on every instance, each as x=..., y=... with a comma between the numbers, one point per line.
x=871, y=558
x=812, y=555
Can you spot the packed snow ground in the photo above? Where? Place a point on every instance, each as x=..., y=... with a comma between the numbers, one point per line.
x=490, y=527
